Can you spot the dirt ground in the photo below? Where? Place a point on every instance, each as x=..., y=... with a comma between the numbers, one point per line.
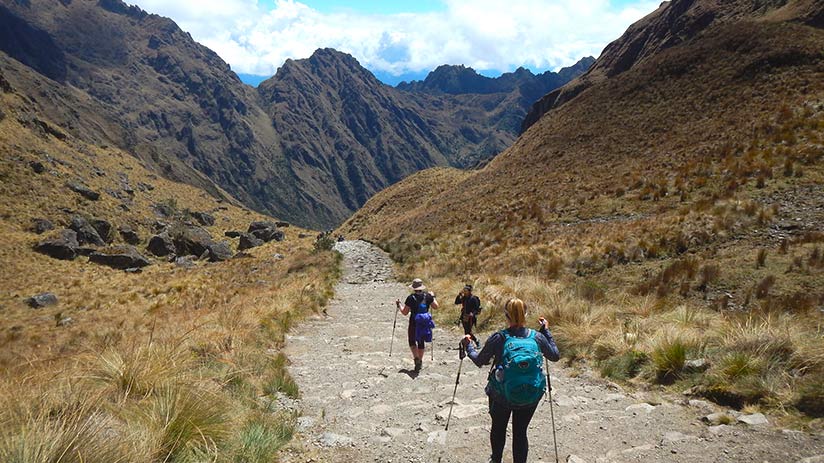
x=358, y=404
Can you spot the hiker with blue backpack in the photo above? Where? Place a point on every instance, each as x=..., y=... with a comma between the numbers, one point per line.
x=517, y=380
x=417, y=306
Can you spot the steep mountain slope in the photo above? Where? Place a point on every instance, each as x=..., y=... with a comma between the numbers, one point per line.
x=310, y=145
x=671, y=211
x=673, y=23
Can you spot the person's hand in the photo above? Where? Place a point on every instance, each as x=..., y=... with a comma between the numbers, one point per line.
x=542, y=321
x=398, y=303
x=465, y=341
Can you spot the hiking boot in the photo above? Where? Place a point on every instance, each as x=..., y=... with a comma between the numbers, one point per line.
x=418, y=364
x=477, y=344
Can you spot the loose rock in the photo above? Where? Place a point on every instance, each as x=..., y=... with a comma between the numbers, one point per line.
x=220, y=251
x=86, y=233
x=41, y=226
x=41, y=300
x=129, y=235
x=120, y=257
x=756, y=419
x=83, y=190
x=248, y=241
x=638, y=409
x=61, y=245
x=37, y=167
x=204, y=218
x=193, y=241
x=104, y=229
x=161, y=245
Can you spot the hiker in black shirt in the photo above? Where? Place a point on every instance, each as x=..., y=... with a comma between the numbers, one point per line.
x=418, y=305
x=470, y=308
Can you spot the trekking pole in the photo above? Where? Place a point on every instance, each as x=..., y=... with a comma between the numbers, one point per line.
x=394, y=323
x=551, y=411
x=461, y=354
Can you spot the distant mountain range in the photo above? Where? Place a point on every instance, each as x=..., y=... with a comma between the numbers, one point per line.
x=309, y=145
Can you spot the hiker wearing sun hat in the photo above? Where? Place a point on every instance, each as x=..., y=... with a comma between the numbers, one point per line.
x=417, y=306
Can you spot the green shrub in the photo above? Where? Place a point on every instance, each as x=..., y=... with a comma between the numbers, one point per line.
x=668, y=360
x=186, y=421
x=279, y=379
x=261, y=437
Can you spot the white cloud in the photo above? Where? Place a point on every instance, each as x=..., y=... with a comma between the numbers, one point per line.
x=255, y=38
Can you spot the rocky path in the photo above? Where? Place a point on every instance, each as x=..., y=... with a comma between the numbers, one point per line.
x=360, y=405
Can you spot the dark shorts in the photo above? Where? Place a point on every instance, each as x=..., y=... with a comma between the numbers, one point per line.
x=410, y=336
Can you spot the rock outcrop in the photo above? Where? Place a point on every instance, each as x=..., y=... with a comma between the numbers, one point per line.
x=120, y=257
x=60, y=245
x=86, y=233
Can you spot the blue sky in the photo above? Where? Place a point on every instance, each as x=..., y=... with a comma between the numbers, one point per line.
x=403, y=39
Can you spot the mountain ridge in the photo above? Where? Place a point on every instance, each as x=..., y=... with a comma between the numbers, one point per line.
x=116, y=74
x=460, y=79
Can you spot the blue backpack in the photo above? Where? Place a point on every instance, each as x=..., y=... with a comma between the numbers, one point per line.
x=423, y=319
x=519, y=377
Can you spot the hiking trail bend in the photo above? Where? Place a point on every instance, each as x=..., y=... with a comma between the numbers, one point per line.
x=360, y=405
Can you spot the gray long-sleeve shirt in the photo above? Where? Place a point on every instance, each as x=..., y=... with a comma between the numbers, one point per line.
x=494, y=349
x=494, y=346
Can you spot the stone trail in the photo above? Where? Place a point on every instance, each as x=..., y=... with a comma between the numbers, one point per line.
x=360, y=405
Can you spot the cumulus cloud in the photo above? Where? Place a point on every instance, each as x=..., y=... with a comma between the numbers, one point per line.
x=257, y=36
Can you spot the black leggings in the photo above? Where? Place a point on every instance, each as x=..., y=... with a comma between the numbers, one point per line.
x=520, y=422
x=410, y=336
x=467, y=326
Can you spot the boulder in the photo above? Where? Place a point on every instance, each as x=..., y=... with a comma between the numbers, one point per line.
x=282, y=224
x=129, y=235
x=119, y=257
x=248, y=241
x=755, y=419
x=232, y=234
x=220, y=251
x=104, y=229
x=86, y=233
x=204, y=218
x=41, y=300
x=37, y=167
x=696, y=365
x=192, y=241
x=261, y=225
x=60, y=245
x=41, y=226
x=83, y=190
x=161, y=245
x=266, y=231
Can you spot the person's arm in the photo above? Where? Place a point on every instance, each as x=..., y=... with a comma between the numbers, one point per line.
x=491, y=347
x=459, y=299
x=434, y=304
x=548, y=347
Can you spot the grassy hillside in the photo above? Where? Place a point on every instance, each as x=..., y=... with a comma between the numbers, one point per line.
x=169, y=364
x=669, y=213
